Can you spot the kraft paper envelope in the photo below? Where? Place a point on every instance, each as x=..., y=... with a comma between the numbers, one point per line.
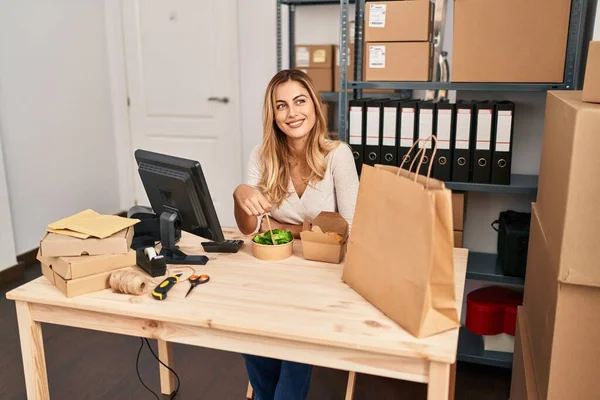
x=89, y=223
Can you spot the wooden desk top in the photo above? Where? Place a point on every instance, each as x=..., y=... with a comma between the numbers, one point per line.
x=294, y=299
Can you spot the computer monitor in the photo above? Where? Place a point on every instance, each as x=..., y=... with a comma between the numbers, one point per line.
x=179, y=195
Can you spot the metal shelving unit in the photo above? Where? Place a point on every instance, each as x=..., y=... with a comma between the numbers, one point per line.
x=481, y=266
x=519, y=184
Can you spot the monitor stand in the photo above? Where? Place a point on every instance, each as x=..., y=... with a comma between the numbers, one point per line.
x=169, y=249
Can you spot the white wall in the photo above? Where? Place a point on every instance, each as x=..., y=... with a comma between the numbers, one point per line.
x=59, y=149
x=597, y=26
x=8, y=256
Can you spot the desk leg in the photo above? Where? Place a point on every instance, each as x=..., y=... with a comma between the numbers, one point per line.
x=350, y=386
x=439, y=381
x=452, y=381
x=167, y=379
x=32, y=351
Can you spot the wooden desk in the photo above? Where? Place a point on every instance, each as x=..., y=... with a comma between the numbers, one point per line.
x=295, y=309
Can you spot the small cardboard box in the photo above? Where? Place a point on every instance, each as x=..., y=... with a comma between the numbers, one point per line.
x=321, y=77
x=78, y=267
x=458, y=211
x=398, y=61
x=317, y=245
x=398, y=21
x=77, y=287
x=591, y=84
x=53, y=245
x=314, y=56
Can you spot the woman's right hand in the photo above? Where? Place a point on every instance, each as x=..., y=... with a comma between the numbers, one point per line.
x=251, y=200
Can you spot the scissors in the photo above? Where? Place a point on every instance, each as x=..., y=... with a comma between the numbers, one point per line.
x=196, y=280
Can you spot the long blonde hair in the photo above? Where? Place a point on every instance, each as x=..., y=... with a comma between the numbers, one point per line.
x=275, y=152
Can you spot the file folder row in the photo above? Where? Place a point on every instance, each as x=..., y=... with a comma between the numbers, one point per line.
x=474, y=138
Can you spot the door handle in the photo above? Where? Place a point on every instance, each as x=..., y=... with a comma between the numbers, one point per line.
x=223, y=100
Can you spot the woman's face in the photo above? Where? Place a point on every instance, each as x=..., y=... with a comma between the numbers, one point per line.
x=294, y=110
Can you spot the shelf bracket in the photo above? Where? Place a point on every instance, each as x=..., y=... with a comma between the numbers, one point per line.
x=438, y=61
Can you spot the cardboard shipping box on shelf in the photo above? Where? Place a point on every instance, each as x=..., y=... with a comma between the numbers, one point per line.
x=317, y=62
x=78, y=267
x=523, y=385
x=509, y=40
x=398, y=61
x=591, y=83
x=318, y=246
x=458, y=239
x=56, y=245
x=459, y=205
x=569, y=187
x=563, y=318
x=398, y=21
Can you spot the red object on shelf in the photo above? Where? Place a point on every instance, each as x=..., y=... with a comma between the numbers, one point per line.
x=493, y=310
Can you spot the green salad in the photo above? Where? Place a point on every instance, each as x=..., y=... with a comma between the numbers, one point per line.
x=281, y=236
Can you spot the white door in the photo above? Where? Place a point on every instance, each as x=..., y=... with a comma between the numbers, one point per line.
x=182, y=75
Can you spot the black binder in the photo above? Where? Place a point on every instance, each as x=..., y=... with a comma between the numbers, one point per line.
x=444, y=132
x=484, y=137
x=427, y=118
x=461, y=165
x=502, y=145
x=374, y=131
x=390, y=132
x=357, y=122
x=409, y=119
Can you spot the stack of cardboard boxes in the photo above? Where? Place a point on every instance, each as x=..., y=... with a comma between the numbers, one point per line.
x=557, y=352
x=398, y=38
x=317, y=62
x=78, y=263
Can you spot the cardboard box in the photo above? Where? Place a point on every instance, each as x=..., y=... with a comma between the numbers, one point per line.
x=398, y=61
x=509, y=40
x=569, y=187
x=320, y=247
x=458, y=239
x=322, y=78
x=314, y=56
x=77, y=287
x=523, y=385
x=563, y=321
x=398, y=21
x=78, y=267
x=591, y=83
x=53, y=245
x=459, y=207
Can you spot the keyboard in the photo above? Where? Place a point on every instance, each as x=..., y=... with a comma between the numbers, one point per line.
x=228, y=246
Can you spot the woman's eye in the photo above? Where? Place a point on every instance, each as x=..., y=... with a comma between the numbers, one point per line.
x=280, y=106
x=301, y=101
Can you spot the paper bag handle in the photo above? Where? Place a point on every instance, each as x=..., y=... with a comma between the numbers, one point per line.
x=421, y=151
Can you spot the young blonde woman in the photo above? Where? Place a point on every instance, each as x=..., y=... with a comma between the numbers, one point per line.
x=296, y=172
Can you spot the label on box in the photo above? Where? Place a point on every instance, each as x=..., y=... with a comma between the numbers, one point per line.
x=484, y=130
x=302, y=57
x=319, y=56
x=503, y=130
x=376, y=56
x=377, y=15
x=389, y=126
x=443, y=129
x=463, y=129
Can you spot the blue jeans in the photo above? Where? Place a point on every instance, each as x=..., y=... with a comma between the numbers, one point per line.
x=277, y=380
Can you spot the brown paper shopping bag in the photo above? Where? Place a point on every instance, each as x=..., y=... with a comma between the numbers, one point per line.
x=400, y=253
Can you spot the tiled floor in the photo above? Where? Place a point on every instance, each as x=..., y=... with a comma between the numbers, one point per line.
x=92, y=365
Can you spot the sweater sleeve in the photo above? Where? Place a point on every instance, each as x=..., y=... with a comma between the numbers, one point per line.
x=345, y=181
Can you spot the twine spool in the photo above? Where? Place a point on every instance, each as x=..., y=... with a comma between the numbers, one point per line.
x=129, y=282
